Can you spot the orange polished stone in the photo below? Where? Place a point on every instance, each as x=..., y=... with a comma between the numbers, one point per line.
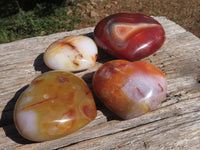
x=130, y=89
x=55, y=104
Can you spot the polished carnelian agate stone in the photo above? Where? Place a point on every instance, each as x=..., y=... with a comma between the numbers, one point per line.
x=55, y=104
x=71, y=53
x=130, y=89
x=129, y=36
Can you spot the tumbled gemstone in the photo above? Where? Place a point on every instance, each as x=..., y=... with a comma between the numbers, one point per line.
x=55, y=104
x=129, y=36
x=130, y=89
x=72, y=53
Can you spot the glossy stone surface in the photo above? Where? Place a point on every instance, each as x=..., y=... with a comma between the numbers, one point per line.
x=72, y=53
x=55, y=104
x=130, y=89
x=129, y=36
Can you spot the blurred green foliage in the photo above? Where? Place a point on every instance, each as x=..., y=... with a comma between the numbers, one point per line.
x=27, y=18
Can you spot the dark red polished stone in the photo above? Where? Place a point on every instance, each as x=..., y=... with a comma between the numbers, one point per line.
x=129, y=36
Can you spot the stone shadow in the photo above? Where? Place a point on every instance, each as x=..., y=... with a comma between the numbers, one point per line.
x=39, y=64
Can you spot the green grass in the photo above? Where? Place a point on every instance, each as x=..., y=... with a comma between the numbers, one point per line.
x=43, y=19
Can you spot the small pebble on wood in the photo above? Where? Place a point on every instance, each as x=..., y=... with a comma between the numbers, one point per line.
x=55, y=104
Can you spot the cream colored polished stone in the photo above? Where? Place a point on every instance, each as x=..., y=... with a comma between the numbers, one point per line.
x=72, y=53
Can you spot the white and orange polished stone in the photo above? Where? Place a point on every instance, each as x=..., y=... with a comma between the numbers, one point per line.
x=72, y=53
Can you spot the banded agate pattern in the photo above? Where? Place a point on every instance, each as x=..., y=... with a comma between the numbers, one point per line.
x=129, y=36
x=55, y=104
x=130, y=89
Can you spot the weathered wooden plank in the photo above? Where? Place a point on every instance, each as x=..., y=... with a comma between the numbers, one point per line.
x=174, y=125
x=149, y=136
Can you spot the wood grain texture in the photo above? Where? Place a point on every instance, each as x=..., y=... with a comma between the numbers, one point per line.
x=174, y=125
